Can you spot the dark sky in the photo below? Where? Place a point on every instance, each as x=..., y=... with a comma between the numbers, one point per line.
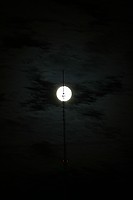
x=92, y=42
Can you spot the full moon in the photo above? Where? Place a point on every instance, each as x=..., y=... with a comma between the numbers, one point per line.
x=64, y=93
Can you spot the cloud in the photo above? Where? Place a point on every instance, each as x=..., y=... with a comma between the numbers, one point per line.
x=21, y=40
x=94, y=90
x=41, y=93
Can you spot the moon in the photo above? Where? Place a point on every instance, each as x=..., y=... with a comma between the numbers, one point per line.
x=64, y=93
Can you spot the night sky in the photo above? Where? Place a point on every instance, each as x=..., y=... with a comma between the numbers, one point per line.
x=92, y=42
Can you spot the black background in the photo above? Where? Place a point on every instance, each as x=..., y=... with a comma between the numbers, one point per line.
x=92, y=42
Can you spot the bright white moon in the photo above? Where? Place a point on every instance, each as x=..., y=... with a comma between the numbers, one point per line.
x=64, y=93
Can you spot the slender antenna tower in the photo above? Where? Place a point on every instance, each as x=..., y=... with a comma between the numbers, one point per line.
x=64, y=121
x=64, y=93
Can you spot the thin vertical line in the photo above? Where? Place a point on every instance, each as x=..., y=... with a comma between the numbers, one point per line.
x=63, y=77
x=64, y=124
x=64, y=135
x=64, y=132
